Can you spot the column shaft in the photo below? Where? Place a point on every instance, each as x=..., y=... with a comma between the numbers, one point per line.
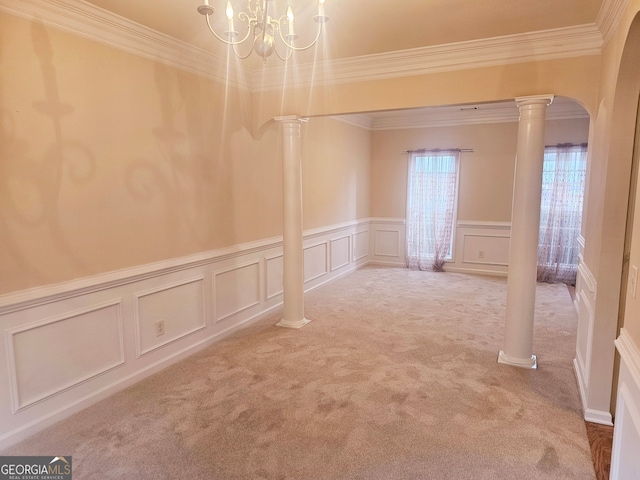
x=293, y=272
x=525, y=225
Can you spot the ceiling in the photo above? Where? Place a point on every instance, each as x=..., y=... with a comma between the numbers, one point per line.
x=364, y=27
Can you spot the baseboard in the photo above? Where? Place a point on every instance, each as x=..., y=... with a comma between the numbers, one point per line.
x=595, y=416
x=382, y=263
x=590, y=415
x=475, y=271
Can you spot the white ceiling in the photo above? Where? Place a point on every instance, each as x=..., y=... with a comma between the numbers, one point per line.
x=364, y=27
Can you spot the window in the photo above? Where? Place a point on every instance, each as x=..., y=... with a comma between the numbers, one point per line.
x=432, y=193
x=563, y=181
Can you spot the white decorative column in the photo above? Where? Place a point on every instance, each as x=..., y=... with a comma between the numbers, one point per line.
x=293, y=273
x=525, y=225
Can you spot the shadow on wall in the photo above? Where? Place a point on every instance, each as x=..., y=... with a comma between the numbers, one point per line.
x=177, y=181
x=30, y=188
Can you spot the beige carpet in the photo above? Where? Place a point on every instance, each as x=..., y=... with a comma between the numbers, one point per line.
x=394, y=378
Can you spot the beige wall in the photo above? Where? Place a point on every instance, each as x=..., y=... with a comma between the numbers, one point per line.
x=575, y=78
x=486, y=175
x=335, y=172
x=109, y=160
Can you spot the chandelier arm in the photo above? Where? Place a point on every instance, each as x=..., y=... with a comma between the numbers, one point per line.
x=237, y=42
x=286, y=57
x=242, y=57
x=300, y=49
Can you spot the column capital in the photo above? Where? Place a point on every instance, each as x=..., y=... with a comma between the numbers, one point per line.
x=291, y=119
x=535, y=100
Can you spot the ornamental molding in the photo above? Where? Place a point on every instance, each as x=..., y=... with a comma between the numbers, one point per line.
x=532, y=46
x=91, y=22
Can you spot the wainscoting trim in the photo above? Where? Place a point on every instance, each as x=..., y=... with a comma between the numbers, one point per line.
x=17, y=403
x=217, y=273
x=625, y=462
x=50, y=417
x=65, y=300
x=137, y=319
x=52, y=293
x=630, y=354
x=333, y=247
x=484, y=225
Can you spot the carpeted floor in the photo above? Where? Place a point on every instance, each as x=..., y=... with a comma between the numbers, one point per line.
x=394, y=378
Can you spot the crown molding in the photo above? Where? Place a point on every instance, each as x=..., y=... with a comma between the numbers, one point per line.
x=453, y=120
x=94, y=23
x=543, y=45
x=609, y=17
x=361, y=120
x=448, y=116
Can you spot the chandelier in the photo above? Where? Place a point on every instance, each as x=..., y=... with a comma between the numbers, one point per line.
x=263, y=31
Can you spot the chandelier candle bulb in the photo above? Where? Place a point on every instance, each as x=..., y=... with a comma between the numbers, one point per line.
x=231, y=33
x=321, y=18
x=290, y=18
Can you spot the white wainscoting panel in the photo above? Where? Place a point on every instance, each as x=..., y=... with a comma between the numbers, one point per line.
x=53, y=355
x=360, y=241
x=584, y=338
x=275, y=270
x=180, y=306
x=315, y=261
x=340, y=252
x=595, y=409
x=387, y=241
x=625, y=461
x=486, y=249
x=236, y=289
x=481, y=247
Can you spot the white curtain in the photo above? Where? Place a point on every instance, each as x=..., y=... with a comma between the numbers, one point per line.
x=561, y=213
x=431, y=202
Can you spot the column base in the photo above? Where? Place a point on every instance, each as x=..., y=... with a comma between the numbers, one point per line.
x=530, y=363
x=288, y=324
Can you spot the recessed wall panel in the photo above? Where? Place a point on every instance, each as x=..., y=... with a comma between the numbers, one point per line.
x=180, y=308
x=360, y=245
x=584, y=334
x=339, y=253
x=387, y=243
x=51, y=356
x=236, y=290
x=274, y=276
x=486, y=249
x=315, y=261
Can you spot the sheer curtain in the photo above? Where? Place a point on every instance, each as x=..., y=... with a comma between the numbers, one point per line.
x=563, y=182
x=431, y=202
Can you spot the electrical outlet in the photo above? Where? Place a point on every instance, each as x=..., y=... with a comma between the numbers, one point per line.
x=634, y=280
x=159, y=328
x=480, y=253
